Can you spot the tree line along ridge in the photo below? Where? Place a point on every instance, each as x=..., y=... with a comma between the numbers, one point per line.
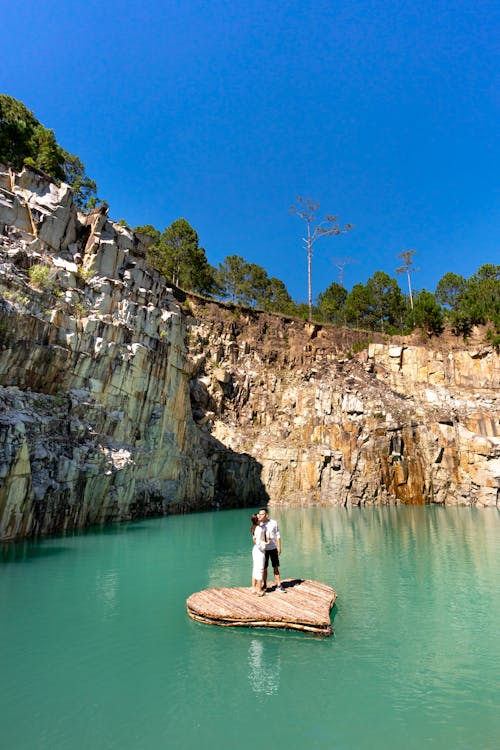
x=379, y=305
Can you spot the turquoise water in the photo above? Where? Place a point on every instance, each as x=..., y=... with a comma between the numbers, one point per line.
x=96, y=649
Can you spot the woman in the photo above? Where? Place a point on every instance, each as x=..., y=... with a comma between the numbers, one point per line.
x=258, y=556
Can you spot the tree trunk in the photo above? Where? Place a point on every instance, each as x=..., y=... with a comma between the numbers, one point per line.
x=309, y=271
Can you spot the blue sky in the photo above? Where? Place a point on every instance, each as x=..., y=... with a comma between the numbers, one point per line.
x=386, y=113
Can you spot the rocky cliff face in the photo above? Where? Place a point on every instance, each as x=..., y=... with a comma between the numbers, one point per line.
x=395, y=422
x=95, y=415
x=121, y=397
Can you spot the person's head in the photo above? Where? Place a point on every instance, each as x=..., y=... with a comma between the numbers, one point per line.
x=255, y=521
x=262, y=515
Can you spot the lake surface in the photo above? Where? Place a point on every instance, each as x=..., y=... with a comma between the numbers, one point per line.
x=97, y=651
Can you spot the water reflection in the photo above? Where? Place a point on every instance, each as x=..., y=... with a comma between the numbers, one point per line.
x=414, y=664
x=264, y=668
x=106, y=586
x=222, y=572
x=14, y=552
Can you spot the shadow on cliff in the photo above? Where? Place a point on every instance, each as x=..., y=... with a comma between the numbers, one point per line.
x=237, y=479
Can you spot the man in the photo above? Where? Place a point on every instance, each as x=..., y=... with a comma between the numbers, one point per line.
x=273, y=548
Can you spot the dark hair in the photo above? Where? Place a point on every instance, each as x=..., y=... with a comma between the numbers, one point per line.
x=255, y=522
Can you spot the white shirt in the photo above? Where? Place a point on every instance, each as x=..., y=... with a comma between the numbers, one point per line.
x=271, y=528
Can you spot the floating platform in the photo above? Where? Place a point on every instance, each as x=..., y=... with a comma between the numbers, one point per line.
x=305, y=606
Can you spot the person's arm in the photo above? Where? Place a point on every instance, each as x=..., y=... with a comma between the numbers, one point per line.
x=259, y=538
x=278, y=540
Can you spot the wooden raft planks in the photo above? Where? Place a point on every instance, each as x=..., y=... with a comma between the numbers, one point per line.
x=306, y=606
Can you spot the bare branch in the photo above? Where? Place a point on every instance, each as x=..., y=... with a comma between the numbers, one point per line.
x=341, y=263
x=306, y=210
x=407, y=257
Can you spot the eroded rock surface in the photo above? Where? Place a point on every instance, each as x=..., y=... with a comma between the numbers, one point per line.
x=95, y=414
x=123, y=397
x=396, y=422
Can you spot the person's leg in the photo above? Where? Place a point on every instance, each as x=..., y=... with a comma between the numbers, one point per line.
x=275, y=562
x=264, y=575
x=277, y=578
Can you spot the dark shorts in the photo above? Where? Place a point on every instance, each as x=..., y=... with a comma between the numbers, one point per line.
x=273, y=554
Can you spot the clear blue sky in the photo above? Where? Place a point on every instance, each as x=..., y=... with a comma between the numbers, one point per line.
x=387, y=113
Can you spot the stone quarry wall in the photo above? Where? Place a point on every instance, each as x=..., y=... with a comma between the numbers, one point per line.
x=95, y=415
x=121, y=397
x=395, y=422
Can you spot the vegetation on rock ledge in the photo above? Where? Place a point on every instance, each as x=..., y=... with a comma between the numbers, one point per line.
x=24, y=140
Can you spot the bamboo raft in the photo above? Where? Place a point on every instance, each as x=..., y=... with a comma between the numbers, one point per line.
x=305, y=606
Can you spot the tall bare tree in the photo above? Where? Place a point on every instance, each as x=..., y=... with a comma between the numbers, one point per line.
x=305, y=208
x=407, y=258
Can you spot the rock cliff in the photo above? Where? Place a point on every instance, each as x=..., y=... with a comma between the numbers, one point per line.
x=396, y=422
x=123, y=397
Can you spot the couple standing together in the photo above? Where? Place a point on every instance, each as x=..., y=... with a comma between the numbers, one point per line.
x=267, y=546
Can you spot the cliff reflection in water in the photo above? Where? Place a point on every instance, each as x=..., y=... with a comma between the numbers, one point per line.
x=413, y=531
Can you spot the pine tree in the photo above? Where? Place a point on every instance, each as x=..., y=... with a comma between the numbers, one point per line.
x=178, y=256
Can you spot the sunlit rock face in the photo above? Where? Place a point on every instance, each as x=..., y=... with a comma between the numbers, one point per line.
x=121, y=397
x=335, y=422
x=95, y=412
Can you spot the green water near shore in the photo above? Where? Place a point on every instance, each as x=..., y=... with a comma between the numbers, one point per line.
x=97, y=651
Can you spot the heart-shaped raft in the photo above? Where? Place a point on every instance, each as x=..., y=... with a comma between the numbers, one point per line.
x=304, y=605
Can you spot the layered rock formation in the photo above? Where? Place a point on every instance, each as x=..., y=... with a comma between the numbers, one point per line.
x=396, y=422
x=95, y=416
x=122, y=397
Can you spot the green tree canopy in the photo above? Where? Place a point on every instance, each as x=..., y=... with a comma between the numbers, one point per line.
x=387, y=304
x=24, y=140
x=17, y=132
x=75, y=175
x=357, y=307
x=482, y=295
x=331, y=304
x=277, y=298
x=256, y=286
x=450, y=290
x=248, y=284
x=471, y=301
x=149, y=230
x=179, y=257
x=232, y=277
x=427, y=312
x=379, y=305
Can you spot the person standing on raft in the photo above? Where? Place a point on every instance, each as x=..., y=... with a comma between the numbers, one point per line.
x=258, y=556
x=272, y=549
